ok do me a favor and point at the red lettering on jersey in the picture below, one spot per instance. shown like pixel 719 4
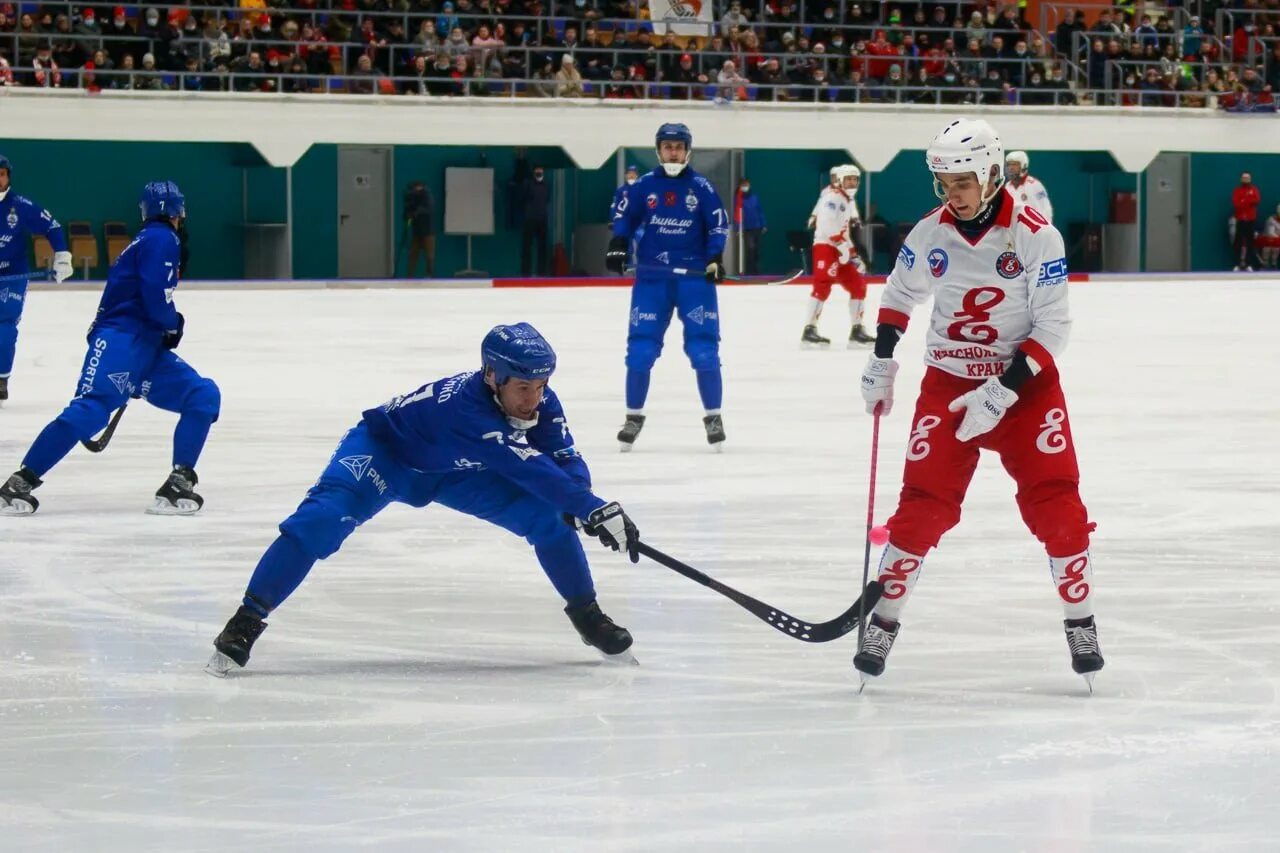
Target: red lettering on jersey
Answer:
pixel 973 314
pixel 1033 219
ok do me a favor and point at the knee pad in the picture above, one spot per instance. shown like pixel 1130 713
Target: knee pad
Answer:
pixel 703 354
pixel 319 527
pixel 921 520
pixel 204 399
pixel 1056 516
pixel 642 353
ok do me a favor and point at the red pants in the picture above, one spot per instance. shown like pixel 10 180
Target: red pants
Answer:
pixel 1263 242
pixel 827 270
pixel 1035 447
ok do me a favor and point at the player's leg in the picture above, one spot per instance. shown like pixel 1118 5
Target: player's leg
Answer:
pixel 360 480
pixel 556 544
pixel 853 282
pixel 13 297
pixel 652 301
pixel 1036 448
pixel 415 249
pixel 934 481
pixel 175 386
pixel 825 259
pixel 699 309
pixel 110 367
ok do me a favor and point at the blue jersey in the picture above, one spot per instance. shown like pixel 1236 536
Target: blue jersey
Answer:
pixel 618 195
pixel 138 298
pixel 684 223
pixel 454 425
pixel 20 217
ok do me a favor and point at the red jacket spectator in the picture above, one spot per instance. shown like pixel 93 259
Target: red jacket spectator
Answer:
pixel 1245 199
pixel 879 68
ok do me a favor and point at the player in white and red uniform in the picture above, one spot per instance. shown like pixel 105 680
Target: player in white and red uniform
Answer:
pixel 836 255
pixel 1025 188
pixel 998 277
pixel 1268 242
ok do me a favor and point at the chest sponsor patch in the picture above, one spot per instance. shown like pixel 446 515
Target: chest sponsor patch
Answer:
pixel 1008 265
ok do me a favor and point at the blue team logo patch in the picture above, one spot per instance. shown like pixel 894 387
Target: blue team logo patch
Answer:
pixel 906 257
pixel 691 201
pixel 651 201
pixel 938 262
pixel 12 218
pixel 1008 265
pixel 1052 273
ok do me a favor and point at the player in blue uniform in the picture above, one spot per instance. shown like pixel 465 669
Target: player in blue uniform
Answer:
pixel 679 260
pixel 492 444
pixel 19 218
pixel 130 355
pixel 632 175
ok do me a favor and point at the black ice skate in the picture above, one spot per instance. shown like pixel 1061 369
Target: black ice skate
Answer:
pixel 15 494
pixel 630 431
pixel 233 644
pixel 1086 655
pixel 4 390
pixel 714 425
pixel 858 336
pixel 810 339
pixel 877 640
pixel 177 496
pixel 597 630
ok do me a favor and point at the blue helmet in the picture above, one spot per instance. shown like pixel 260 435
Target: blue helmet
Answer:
pixel 518 351
pixel 161 199
pixel 4 164
pixel 674 132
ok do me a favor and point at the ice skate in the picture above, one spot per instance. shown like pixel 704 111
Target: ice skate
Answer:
pixel 630 431
pixel 15 494
pixel 877 640
pixel 233 644
pixel 859 337
pixel 714 426
pixel 177 495
pixel 810 339
pixel 1086 655
pixel 597 630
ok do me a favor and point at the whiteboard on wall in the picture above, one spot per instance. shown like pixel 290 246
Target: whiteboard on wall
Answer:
pixel 468 201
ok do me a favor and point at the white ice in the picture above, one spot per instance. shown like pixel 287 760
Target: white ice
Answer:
pixel 423 691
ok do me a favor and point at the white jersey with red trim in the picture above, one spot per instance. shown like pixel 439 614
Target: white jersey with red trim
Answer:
pixel 1271 228
pixel 1003 293
pixel 833 213
pixel 1032 193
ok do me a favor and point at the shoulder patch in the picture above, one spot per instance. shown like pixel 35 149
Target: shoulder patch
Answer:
pixel 906 257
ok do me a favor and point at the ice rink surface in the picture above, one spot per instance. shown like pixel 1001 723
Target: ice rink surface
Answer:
pixel 423 691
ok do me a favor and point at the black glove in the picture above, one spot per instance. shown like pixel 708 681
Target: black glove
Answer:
pixel 172 339
pixel 614 530
pixel 715 269
pixel 184 252
pixel 616 258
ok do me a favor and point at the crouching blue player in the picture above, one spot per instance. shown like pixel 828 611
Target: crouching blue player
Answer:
pixel 130 355
pixel 678 263
pixel 493 444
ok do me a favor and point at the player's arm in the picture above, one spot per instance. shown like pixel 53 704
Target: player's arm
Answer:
pixel 1042 203
pixel 905 289
pixel 38 221
pixel 158 260
pixel 627 217
pixel 553 438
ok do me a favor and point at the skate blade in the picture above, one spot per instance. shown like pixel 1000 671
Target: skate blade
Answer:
pixel 811 345
pixel 219 665
pixel 718 447
pixel 858 344
pixel 624 447
pixel 16 508
pixel 620 659
pixel 182 507
pixel 1088 680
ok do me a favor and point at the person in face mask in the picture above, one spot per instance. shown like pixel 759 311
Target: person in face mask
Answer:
pixel 537 216
pixel 750 218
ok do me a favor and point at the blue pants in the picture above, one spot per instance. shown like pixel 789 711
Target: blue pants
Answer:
pixel 364 477
pixel 653 299
pixel 13 296
pixel 120 366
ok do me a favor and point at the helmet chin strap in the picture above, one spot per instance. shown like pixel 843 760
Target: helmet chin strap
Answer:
pixel 941 192
pixel 516 423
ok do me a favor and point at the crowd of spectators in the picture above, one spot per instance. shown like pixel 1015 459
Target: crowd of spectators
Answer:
pixel 818 50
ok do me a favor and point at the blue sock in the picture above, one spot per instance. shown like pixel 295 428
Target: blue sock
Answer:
pixel 710 387
pixel 278 574
pixel 637 388
pixel 189 437
pixel 53 443
pixel 566 565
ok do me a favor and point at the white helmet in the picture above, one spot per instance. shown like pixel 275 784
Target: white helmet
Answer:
pixel 848 170
pixel 1019 157
pixel 967 146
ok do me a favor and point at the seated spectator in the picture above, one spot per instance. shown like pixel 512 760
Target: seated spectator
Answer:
pixel 88 79
pixel 88 27
pixel 618 85
pixel 686 78
pixel 771 79
pixel 568 80
pixel 456 45
pixel 733 19
pixel 894 81
pixel 148 78
pixel 125 79
pixel 729 81
pixel 439 78
pixel 247 71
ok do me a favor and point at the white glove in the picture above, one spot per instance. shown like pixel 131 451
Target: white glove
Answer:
pixel 877 384
pixel 614 530
pixel 984 406
pixel 860 265
pixel 62 268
